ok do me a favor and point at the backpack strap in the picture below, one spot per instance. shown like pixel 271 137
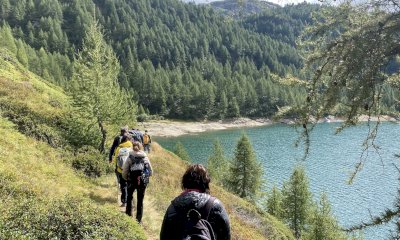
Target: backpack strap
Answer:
pixel 205 211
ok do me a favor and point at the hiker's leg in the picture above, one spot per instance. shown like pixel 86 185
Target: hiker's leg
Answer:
pixel 139 209
pixel 124 189
pixel 117 175
pixel 128 209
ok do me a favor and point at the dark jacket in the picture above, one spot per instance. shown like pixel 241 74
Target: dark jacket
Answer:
pixel 172 227
pixel 116 142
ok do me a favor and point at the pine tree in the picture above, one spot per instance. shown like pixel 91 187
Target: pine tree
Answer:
pixel 233 109
pixel 223 105
pixel 7 39
pixel 21 53
pixel 95 90
pixel 323 224
pixel 5 9
pixel 217 163
pixel 19 10
pixel 297 201
pixel 181 152
pixel 274 203
pixel 245 172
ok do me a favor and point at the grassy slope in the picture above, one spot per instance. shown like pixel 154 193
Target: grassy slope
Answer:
pixel 246 221
pixel 32 169
pixel 36 181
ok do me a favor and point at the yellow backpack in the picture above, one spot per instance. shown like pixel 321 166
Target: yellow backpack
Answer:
pixel 146 139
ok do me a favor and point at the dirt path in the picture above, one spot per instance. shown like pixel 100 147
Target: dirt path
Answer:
pixel 151 216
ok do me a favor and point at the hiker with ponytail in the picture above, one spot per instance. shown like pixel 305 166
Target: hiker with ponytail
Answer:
pixel 136 171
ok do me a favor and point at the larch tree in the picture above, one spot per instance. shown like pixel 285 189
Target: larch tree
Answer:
pixel 223 105
pixel 97 96
pixel 274 203
pixel 352 48
pixel 7 39
pixel 354 56
pixel 217 164
pixel 349 53
pixel 245 171
pixel 297 201
pixel 181 152
pixel 5 8
pixel 323 225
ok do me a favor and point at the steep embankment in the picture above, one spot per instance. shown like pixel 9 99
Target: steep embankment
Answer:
pixel 43 197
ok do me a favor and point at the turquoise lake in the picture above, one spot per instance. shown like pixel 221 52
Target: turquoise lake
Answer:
pixel 331 160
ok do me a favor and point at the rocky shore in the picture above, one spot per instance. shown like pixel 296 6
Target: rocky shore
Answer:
pixel 170 128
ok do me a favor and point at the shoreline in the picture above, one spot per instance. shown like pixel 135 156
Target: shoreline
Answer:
pixel 174 128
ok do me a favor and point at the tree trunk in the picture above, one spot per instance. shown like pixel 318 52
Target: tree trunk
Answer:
pixel 104 136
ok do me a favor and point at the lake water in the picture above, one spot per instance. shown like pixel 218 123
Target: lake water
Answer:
pixel 331 161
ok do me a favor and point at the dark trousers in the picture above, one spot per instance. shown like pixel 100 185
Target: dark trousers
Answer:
pixel 146 148
pixel 123 187
pixel 140 196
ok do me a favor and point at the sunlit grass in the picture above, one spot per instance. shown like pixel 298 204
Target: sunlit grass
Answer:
pixel 246 221
pixel 37 182
pixel 31 170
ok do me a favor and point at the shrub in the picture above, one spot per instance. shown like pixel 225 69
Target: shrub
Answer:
pixel 26 215
pixel 142 117
pixel 69 218
pixel 91 162
pixel 78 134
pixel 30 123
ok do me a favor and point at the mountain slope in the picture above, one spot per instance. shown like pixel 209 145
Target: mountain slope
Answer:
pixel 41 196
pixel 243 8
pixel 178 60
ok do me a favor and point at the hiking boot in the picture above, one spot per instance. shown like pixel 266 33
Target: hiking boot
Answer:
pixel 123 205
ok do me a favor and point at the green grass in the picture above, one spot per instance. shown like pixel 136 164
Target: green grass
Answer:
pixel 43 197
pixel 247 222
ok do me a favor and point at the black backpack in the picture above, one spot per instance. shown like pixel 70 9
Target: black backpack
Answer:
pixel 137 167
pixel 139 171
pixel 197 226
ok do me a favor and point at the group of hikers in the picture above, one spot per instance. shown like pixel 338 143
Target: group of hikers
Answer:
pixel 194 214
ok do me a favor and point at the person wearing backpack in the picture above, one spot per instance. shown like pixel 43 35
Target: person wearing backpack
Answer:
pixel 137 135
pixel 146 141
pixel 116 142
pixel 136 171
pixel 195 214
pixel 121 155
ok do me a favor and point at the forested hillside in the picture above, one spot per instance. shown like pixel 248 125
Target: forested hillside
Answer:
pixel 240 9
pixel 178 60
pixel 284 24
